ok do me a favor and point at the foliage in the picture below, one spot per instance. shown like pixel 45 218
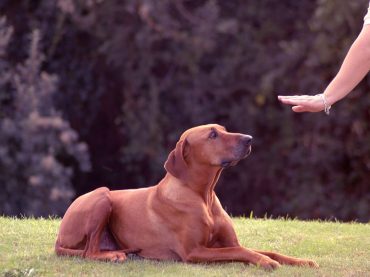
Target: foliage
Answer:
pixel 38 148
pixel 135 74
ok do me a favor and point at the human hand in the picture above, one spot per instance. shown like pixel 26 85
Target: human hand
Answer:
pixel 304 103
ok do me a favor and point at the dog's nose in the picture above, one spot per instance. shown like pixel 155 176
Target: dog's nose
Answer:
pixel 247 140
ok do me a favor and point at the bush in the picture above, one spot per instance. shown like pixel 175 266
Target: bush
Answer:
pixel 138 73
pixel 38 149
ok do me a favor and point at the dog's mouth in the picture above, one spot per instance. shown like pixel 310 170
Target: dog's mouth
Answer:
pixel 245 153
pixel 228 163
pixel 249 150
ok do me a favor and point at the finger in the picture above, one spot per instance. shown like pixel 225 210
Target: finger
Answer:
pixel 282 97
pixel 299 109
pixel 294 101
pixel 295 97
pixel 287 101
pixel 290 96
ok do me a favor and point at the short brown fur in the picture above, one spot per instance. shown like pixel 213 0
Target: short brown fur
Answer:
pixel 180 218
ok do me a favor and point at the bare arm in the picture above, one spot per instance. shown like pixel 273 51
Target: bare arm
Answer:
pixel 354 68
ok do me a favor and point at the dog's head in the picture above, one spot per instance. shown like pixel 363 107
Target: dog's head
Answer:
pixel 209 145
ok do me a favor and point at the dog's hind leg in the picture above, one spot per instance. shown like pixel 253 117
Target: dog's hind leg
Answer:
pixel 83 225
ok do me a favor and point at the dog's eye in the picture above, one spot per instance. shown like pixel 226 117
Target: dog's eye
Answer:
pixel 213 134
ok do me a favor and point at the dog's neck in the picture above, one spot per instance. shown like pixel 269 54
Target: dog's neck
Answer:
pixel 201 180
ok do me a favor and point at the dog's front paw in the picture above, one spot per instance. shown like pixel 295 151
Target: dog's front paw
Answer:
pixel 308 263
pixel 268 264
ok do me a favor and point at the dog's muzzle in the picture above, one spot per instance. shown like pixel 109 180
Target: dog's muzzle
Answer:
pixel 241 151
pixel 244 147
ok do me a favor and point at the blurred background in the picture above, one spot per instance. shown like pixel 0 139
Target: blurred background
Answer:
pixel 96 93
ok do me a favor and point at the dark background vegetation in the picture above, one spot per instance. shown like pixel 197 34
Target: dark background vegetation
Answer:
pixel 97 92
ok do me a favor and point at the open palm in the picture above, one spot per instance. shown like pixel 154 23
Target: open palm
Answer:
pixel 303 103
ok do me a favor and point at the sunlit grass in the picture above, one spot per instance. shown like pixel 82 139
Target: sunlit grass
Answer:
pixel 341 249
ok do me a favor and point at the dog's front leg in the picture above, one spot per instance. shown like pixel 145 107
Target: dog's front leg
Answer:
pixel 283 259
pixel 237 254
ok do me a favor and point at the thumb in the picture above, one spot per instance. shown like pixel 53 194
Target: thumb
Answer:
pixel 299 109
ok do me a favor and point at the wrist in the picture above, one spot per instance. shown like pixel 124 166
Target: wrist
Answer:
pixel 330 100
pixel 325 103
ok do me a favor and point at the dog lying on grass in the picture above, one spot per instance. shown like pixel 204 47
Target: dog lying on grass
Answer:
pixel 179 219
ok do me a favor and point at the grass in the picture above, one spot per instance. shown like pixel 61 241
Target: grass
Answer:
pixel 341 249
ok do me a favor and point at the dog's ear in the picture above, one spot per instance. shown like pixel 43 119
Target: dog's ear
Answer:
pixel 176 164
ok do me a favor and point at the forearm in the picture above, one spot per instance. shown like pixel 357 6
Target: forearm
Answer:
pixel 354 68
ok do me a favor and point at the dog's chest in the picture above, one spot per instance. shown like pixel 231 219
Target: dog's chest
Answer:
pixel 209 226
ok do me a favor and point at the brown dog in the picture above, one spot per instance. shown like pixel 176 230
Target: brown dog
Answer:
pixel 179 219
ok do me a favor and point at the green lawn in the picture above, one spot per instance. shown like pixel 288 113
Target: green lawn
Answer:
pixel 341 249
